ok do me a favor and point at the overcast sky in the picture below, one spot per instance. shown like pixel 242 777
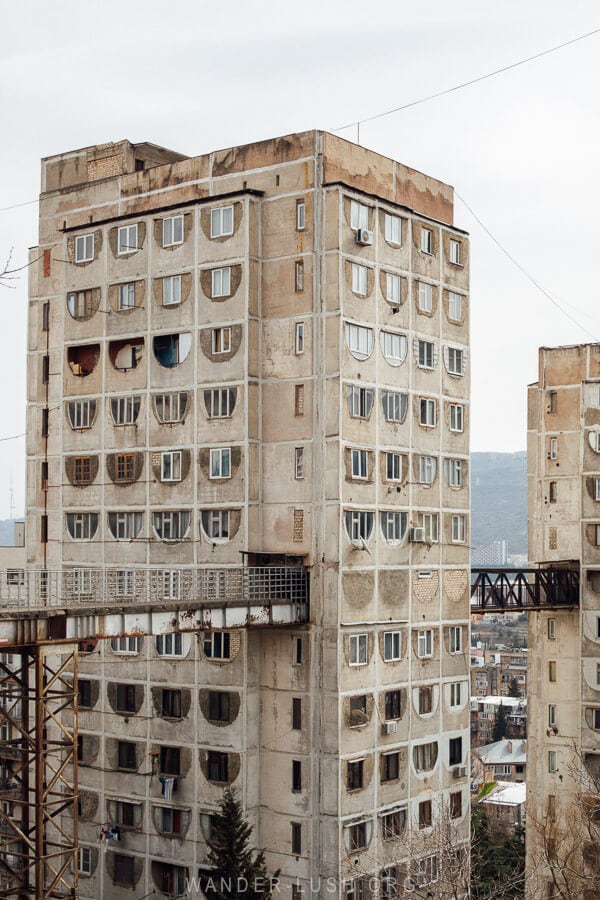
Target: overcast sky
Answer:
pixel 521 148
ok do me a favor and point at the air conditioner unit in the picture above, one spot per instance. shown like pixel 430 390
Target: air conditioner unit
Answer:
pixel 364 237
pixel 416 535
pixel 460 772
pixel 389 727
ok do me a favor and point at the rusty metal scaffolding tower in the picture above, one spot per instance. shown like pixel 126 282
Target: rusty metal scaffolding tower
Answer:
pixel 38 772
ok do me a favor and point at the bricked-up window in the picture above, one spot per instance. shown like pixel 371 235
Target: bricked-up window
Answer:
pixel 219 706
pixel 296 776
pixel 84 248
pixel 297 713
pixel 299 400
pixel 125 467
pixel 425 814
pixel 296 838
pixel 126 756
pixel 300 215
pixel 125 698
pixel 354 774
pixel 299 276
pixel 298 520
pixel 82 472
pixel 170 703
pixel 455 751
pixel 393 705
pixel 217 766
pixel 124 870
pixel 221 221
pixel 170 761
pixel 172 231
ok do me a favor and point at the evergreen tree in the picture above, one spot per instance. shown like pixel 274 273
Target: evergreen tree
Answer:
pixel 513 687
pixel 500 724
pixel 237 870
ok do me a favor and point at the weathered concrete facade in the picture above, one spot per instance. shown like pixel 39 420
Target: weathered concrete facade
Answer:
pixel 261 349
pixel 564 660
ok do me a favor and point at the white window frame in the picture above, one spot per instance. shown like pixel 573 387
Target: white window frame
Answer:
pixel 426 357
pixel 82 526
pixel 124 582
pixel 455 252
pixel 394 347
pixel 127 410
pixel 127 240
pixel 359 650
pixel 170 465
pixel 81 581
pixel 81 414
pixel 221 282
pixel 455 694
pixel 359 215
pixel 221 339
pixel 553 448
pixel 425 643
pixel 393 229
pixel 392 288
pixel 427 412
pixel 393 461
pixel 457 417
pixel 126 296
pixel 427 469
pixel 426 240
pixel 300 215
pixel 171 524
pixel 392 646
pixel 171 584
pixel 359 524
pixel 456 361
pixel 454 306
pixel 217 524
pixel 84 860
pixel 459 529
pixel 393 525
pixel 222 403
pixel 360 340
pixel 394 402
pixel 360 466
pixel 170 645
pixel 358 401
pixel 220 462
pixel 172 231
pixel 455 472
pixel 360 279
pixel 299 338
pixel 171 290
pixel 126 525
pixel 126 645
pixel 551 629
pixel 299 463
pixel 552 761
pixel 552 715
pixel 596 488
pixel 455 641
pixel 172 405
pixel 425 297
pixel 430 522
pixel 221 221
pixel 220 644
pixel 84 248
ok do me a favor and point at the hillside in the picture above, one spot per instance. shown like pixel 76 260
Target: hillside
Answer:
pixel 499 500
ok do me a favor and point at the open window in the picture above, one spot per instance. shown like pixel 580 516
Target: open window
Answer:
pixel 83 359
pixel 127 354
pixel 172 349
pixel 83 304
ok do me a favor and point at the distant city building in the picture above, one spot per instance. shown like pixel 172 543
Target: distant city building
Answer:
pixel 494 554
pixel 506 805
pixel 505 759
pixel 483 717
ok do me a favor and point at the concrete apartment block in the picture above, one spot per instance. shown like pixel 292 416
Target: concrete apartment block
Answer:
pixel 261 350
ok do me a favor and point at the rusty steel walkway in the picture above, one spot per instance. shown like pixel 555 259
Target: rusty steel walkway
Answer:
pixel 523 590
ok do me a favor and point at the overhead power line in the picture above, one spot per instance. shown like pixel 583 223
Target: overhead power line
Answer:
pixel 458 87
pixel 524 271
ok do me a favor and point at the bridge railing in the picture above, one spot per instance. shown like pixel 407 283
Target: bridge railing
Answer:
pixel 513 590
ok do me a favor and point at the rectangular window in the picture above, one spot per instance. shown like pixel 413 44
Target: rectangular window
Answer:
pixel 425 643
pixel 296 838
pixel 170 465
pixel 125 467
pixel 219 707
pixel 299 338
pixel 394 406
pixel 46 316
pixel 425 814
pixel 82 473
pixel 458 529
pixel 455 693
pixel 455 361
pixel 296 776
pixel 425 700
pixel 354 774
pixel 300 215
pixel 455 478
pixel 552 767
pixel 169 644
pixel 84 694
pixel 299 463
pixel 454 306
pixel 170 820
pixel 455 751
pixel 170 703
pixel 392 289
pixel 552 492
pixel 360 402
pixel 126 645
pixel 427 412
pixel 299 400
pixel 359 215
pixel 552 670
pixel 425 297
pixel 220 462
pixel 169 762
pixel 298 658
pixel 393 466
pixel 221 221
pixel 552 718
pixel 219 402
pixel 45 422
pixel 455 805
pixel 359 649
pixel 426 355
pixel 218 766
pixel 171 290
pixel 455 636
pixel 596 488
pixel 221 340
pixel 391 767
pixel 455 253
pixel 391 646
pixel 393 229
pixel 552 807
pixel 429 522
pixel 84 861
pixel 456 417
pixel 553 398
pixel 127 239
pixel 127 296
pixel 299 276
pixel 359 463
pixel 125 698
pixel 221 282
pixel 217 645
pixel 426 240
pixel 393 705
pixel 359 279
pixel 297 713
pixel 126 755
pixel 84 248
pixel 45 369
pixel 553 448
pixel 124 410
pixel 172 231
pixel 551 629
pixel 427 469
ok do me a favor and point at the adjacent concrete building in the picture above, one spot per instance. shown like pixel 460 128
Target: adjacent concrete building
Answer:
pixel 258 354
